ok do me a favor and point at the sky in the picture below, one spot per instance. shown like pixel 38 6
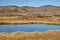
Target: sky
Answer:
pixel 35 3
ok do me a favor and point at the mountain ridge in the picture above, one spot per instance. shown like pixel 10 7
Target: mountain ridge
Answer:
pixel 46 10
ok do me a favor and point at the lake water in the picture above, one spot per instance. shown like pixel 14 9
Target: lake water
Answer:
pixel 28 28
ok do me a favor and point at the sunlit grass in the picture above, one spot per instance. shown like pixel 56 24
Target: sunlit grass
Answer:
pixel 50 35
pixel 17 20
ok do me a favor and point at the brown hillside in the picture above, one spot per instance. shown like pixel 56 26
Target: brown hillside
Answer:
pixel 27 12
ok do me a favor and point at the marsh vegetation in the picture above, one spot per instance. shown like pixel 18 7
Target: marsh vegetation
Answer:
pixel 49 35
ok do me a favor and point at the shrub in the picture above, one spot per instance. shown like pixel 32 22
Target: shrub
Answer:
pixel 2 11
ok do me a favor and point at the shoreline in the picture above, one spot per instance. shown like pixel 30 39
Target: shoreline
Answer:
pixel 32 32
pixel 7 23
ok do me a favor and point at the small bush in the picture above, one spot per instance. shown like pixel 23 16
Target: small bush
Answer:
pixel 14 10
pixel 4 23
pixel 2 11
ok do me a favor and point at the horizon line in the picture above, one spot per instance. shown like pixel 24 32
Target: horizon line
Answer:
pixel 30 6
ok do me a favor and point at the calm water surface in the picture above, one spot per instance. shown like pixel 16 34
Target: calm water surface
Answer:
pixel 28 28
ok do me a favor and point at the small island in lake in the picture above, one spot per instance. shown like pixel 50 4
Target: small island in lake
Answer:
pixel 47 14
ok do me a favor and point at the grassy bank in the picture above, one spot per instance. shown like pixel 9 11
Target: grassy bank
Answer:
pixel 7 20
pixel 49 35
pixel 8 23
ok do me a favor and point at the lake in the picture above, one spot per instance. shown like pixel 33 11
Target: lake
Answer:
pixel 28 28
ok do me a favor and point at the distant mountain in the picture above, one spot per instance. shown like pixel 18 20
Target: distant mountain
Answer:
pixel 47 10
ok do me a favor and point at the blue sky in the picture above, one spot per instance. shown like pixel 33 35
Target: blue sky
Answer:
pixel 35 3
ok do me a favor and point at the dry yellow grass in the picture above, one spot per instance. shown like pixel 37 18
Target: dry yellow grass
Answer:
pixel 15 19
pixel 49 35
